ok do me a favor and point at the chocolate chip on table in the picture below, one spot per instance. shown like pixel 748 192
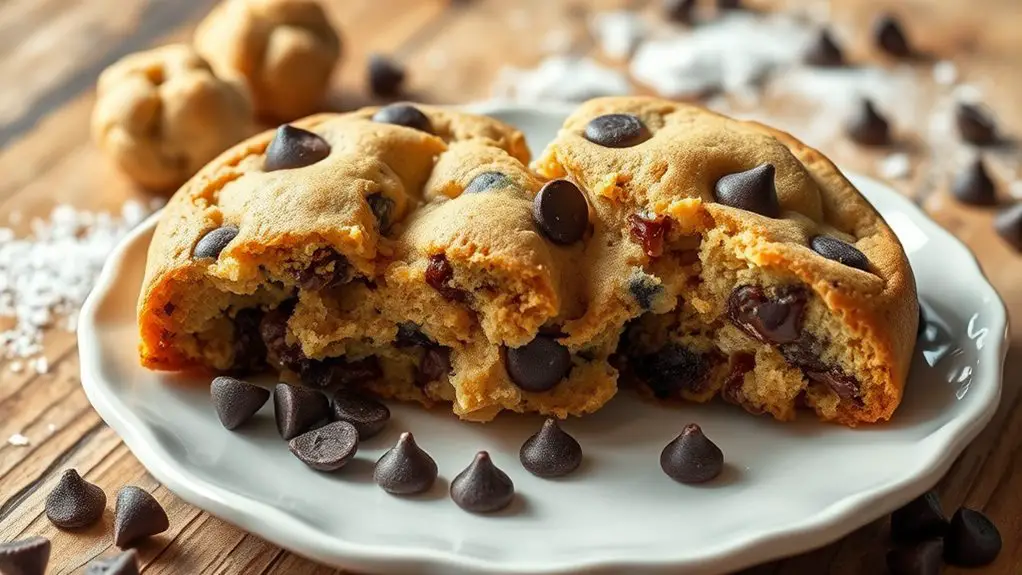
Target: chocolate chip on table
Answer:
pixel 382 207
pixel 645 289
pixel 919 519
pixel 435 363
pixel 671 370
pixel 824 51
pixel 294 148
pixel 616 131
pixel 889 36
pixel 487 181
pixel 25 557
pixel 385 75
pixel 975 124
pixel 972 540
pixel 367 415
pixel 752 190
pixel 298 410
pixel 538 365
pixel 839 251
pixel 326 448
pixel 551 452
pixel 124 563
pixel 867 126
pixel 691 457
pixel 236 401
pixel 775 318
pixel 650 233
pixel 214 242
pixel 404 115
pixel 923 558
pixel 974 186
pixel 482 487
pixel 680 11
pixel 137 515
pixel 439 274
pixel 1008 225
pixel 75 503
pixel 405 469
pixel 561 212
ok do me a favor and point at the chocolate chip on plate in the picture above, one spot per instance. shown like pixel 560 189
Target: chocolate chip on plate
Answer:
pixel 487 181
pixel 616 131
pixel 367 415
pixel 839 251
pixel 867 126
pixel 974 186
pixel 406 468
pixel 889 36
pixel 298 410
pixel 385 75
pixel 236 401
pixel 691 457
pixel 680 11
pixel 551 452
pixel 482 487
pixel 752 190
pixel 214 242
pixel 824 51
pixel 975 124
pixel 1008 225
pixel 326 448
pixel 137 515
pixel 919 519
pixel 25 557
pixel 923 558
pixel 650 233
pixel 124 563
pixel 404 115
pixel 74 503
pixel 972 540
pixel 561 212
pixel 439 274
pixel 538 365
pixel 774 319
pixel 293 148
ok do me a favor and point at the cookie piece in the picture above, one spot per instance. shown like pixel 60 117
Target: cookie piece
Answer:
pixel 162 114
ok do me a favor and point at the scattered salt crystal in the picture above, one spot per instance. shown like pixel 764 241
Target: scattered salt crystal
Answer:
pixel 16 366
pixel 18 440
pixel 50 428
pixel 945 73
pixel 617 32
pixel 896 166
pixel 40 365
pixel 560 79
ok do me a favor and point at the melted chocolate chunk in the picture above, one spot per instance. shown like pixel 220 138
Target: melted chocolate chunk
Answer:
pixel 890 37
pixel 339 372
pixel 249 350
pixel 919 519
pixel 645 289
pixel 74 503
pixel 867 126
pixel 137 515
pixel 214 242
pixel 551 452
pixel 439 274
pixel 975 124
pixel 236 401
pixel 404 115
pixel 482 487
pixel 972 540
pixel 731 391
pixel 385 75
pixel 327 269
pixel 405 469
pixel 25 557
pixel 923 558
pixel 650 233
pixel 409 334
pixel 752 190
pixel 273 331
pixel 367 415
pixel 294 148
pixel 326 448
pixel 671 370
pixel 538 365
pixel 382 207
pixel 771 318
pixel 435 364
pixel 824 51
pixel 616 131
pixel 839 251
pixel 488 181
pixel 974 186
pixel 691 457
pixel 561 212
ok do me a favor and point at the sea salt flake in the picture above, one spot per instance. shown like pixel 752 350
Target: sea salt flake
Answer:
pixel 16 366
pixel 18 440
pixel 895 166
pixel 41 365
pixel 945 73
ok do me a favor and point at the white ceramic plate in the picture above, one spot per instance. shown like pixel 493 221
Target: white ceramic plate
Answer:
pixel 789 487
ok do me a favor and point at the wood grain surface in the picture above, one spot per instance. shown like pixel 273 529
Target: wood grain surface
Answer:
pixel 52 51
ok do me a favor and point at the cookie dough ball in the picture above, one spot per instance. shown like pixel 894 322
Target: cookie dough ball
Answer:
pixel 284 49
pixel 162 114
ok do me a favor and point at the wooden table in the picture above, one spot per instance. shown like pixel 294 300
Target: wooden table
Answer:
pixel 54 49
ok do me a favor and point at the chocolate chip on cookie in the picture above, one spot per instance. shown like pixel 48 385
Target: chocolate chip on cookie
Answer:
pixel 752 190
pixel 974 186
pixel 772 319
pixel 551 452
pixel 691 457
pixel 839 251
pixel 975 124
pixel 439 274
pixel 385 75
pixel 671 370
pixel 382 207
pixel 74 503
pixel 293 148
pixel 889 36
pixel 561 212
pixel 236 401
pixel 404 115
pixel 1008 225
pixel 824 51
pixel 367 415
pixel 406 468
pixel 650 232
pixel 538 365
pixel 679 11
pixel 25 557
pixel 919 519
pixel 435 363
pixel 972 540
pixel 123 563
pixel 616 131
pixel 326 448
pixel 298 410
pixel 482 487
pixel 923 558
pixel 645 289
pixel 137 515
pixel 214 242
pixel 867 126
pixel 487 181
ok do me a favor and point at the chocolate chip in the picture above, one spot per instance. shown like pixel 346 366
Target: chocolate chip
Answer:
pixel 482 487
pixel 326 269
pixel 679 10
pixel 645 289
pixel 740 364
pixel 298 410
pixel 752 190
pixel 214 242
pixel 1008 225
pixel 340 372
pixel 273 332
pixel 487 181
pixel 839 251
pixel 236 401
pixel 919 519
pixel 137 515
pixel 326 448
pixel 249 350
pixel 923 558
pixel 867 126
pixel 367 415
pixel 889 36
pixel 294 148
pixel 404 115
pixel 538 365
pixel 25 557
pixel 729 4
pixel 845 386
pixel 670 370
pixel 74 503
pixel 551 452
pixel 972 540
pixel 434 365
pixel 974 186
pixel 561 212
pixel 824 51
pixel 410 334
pixel 774 318
pixel 439 274
pixel 405 469
pixel 124 563
pixel 385 75
pixel 692 458
pixel 975 124
pixel 616 131
pixel 382 208
pixel 650 233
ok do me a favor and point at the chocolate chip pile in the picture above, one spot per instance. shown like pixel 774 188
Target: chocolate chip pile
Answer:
pixel 924 540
